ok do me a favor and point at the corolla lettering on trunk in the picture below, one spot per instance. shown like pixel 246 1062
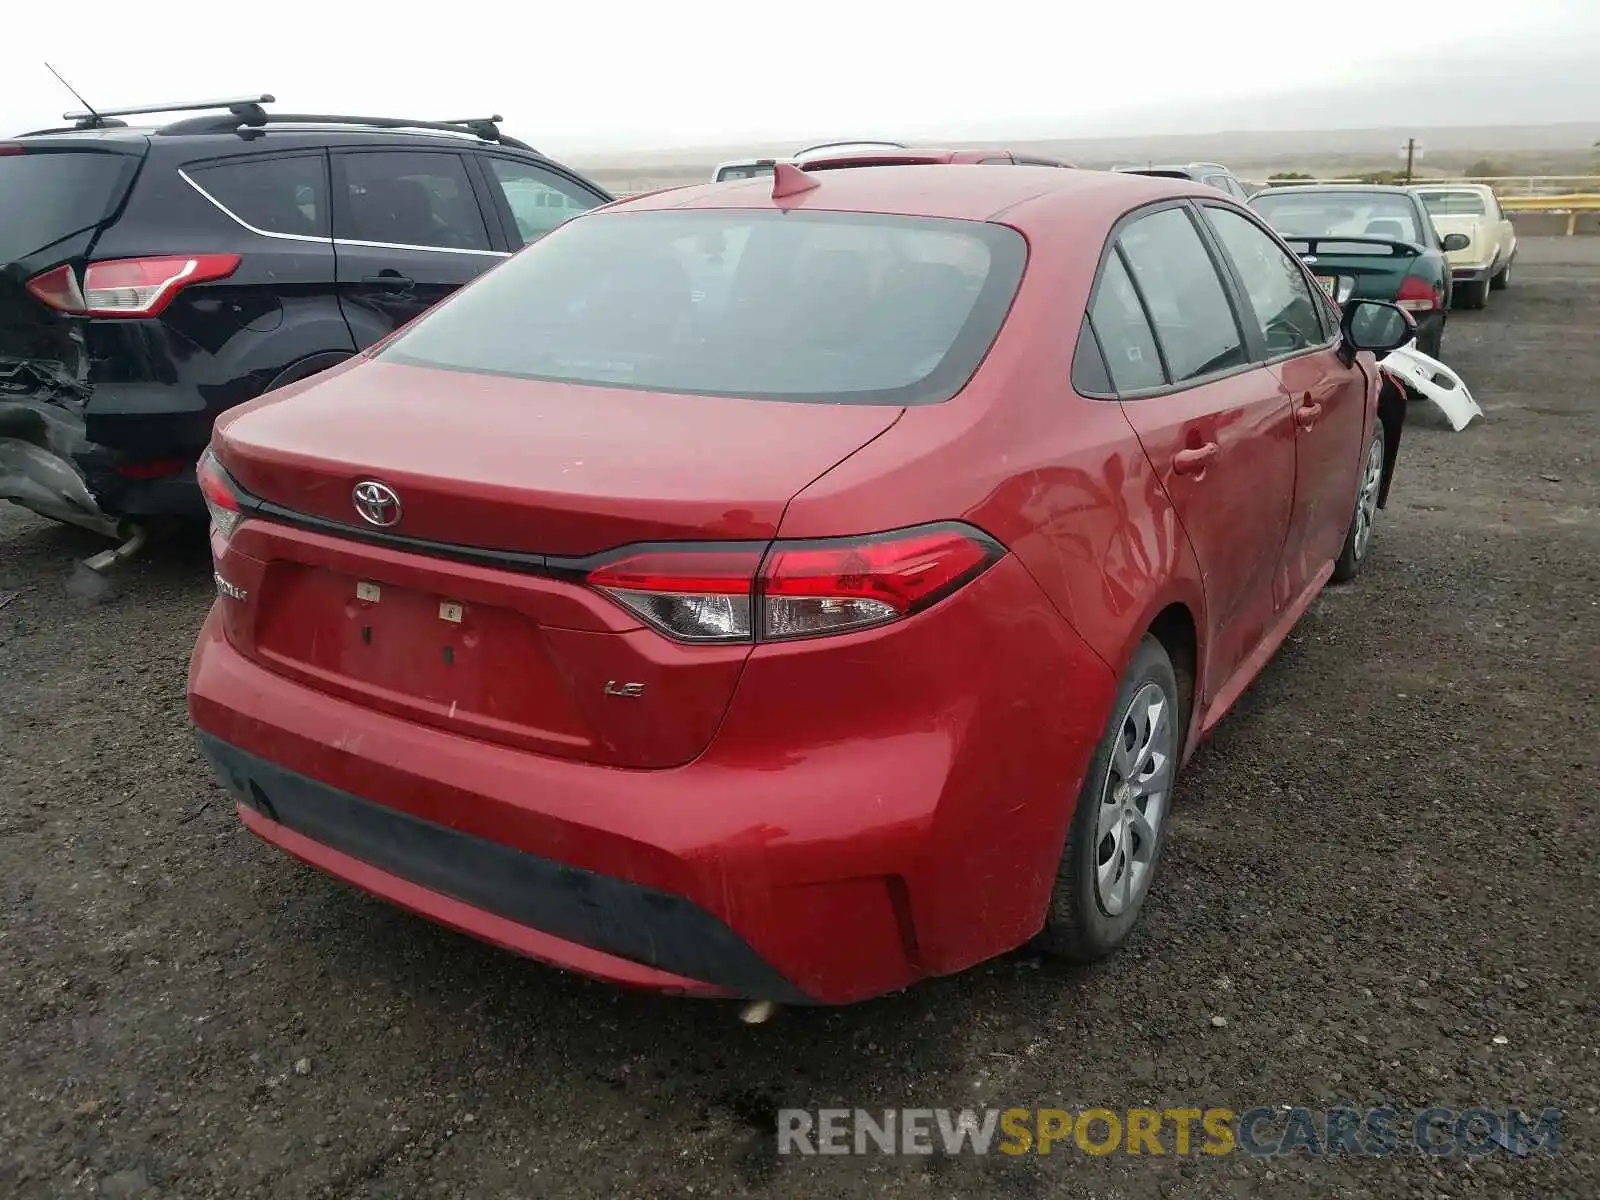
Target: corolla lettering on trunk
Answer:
pixel 230 589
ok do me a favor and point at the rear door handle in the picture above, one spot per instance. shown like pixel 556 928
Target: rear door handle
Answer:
pixel 1192 462
pixel 1307 414
pixel 390 281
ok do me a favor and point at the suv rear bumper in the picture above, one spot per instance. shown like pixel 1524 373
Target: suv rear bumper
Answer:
pixel 85 488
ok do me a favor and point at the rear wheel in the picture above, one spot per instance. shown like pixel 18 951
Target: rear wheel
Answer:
pixel 1472 295
pixel 1119 827
pixel 1501 279
pixel 1430 339
pixel 1358 538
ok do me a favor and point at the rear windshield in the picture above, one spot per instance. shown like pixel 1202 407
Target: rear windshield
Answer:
pixel 46 195
pixel 1339 214
pixel 1453 204
pixel 830 307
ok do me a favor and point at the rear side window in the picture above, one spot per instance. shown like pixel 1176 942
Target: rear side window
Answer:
pixel 539 200
pixel 410 198
pixel 274 195
pixel 828 307
pixel 1188 305
pixel 47 195
pixel 1274 284
pixel 1123 330
pixel 1089 374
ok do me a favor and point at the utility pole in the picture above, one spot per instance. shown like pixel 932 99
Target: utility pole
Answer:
pixel 1411 152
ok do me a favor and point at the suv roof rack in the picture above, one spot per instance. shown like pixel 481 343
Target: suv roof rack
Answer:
pixel 255 120
pixel 240 106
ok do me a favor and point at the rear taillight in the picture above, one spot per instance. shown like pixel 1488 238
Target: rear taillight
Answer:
pixel 222 501
pixel 129 287
pixel 693 595
pixel 10 149
pixel 1418 295
pixel 795 589
pixel 142 287
pixel 822 587
pixel 59 289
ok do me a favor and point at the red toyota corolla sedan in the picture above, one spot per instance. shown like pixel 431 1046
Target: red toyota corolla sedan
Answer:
pixel 790 588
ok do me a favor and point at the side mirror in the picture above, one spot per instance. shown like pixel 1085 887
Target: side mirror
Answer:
pixel 1456 241
pixel 1376 325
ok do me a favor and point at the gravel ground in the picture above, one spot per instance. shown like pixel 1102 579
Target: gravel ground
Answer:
pixel 1383 864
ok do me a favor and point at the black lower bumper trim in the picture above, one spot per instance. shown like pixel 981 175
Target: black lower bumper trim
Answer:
pixel 602 912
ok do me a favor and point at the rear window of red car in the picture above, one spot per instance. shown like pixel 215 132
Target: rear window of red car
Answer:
pixel 798 306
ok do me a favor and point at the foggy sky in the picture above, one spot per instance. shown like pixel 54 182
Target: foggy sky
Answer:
pixel 636 74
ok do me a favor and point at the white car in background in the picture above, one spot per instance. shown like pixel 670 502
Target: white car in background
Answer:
pixel 1485 263
pixel 751 168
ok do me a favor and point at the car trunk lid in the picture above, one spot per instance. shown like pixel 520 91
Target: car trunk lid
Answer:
pixel 469 612
pixel 536 468
pixel 1477 248
pixel 1363 268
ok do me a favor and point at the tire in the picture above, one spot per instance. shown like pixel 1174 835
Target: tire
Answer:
pixel 1431 342
pixel 1087 921
pixel 1472 295
pixel 1358 538
pixel 1501 279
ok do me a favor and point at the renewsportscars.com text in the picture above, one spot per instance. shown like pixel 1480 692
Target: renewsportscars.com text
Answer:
pixel 1258 1132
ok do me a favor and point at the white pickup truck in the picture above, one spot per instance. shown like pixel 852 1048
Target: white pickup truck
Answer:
pixel 1485 263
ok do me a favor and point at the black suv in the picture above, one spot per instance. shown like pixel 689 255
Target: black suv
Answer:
pixel 152 277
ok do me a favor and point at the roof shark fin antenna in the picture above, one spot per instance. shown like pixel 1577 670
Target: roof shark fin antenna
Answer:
pixel 789 180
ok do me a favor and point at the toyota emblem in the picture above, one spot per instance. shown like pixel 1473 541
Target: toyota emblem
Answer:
pixel 376 502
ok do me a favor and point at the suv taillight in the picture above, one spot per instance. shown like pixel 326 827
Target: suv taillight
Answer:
pixel 222 501
pixel 129 287
pixel 59 289
pixel 1418 295
pixel 794 589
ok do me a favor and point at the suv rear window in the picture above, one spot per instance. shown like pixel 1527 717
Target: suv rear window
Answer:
pixel 46 195
pixel 833 307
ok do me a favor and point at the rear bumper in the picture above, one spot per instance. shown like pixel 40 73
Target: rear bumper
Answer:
pixel 603 925
pixel 49 464
pixel 61 488
pixel 170 497
pixel 790 861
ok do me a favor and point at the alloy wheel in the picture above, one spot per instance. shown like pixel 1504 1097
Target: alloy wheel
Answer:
pixel 1133 802
pixel 1367 497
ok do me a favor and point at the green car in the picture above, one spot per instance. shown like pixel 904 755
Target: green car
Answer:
pixel 1368 242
